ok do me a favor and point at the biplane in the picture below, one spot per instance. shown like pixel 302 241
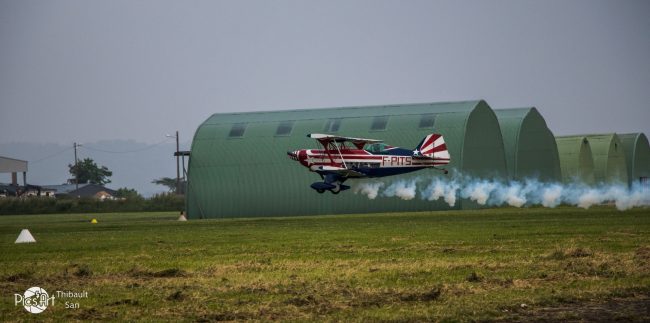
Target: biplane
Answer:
pixel 343 158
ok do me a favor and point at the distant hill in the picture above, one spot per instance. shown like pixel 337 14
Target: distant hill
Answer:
pixel 134 164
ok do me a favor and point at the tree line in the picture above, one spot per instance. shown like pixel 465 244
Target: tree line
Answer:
pixel 87 171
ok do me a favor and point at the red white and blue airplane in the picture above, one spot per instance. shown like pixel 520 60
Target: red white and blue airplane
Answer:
pixel 348 157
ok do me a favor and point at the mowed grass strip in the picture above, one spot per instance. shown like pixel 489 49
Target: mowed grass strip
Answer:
pixel 499 264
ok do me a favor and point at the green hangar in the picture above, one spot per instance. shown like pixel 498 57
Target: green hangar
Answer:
pixel 637 156
pixel 530 147
pixel 576 160
pixel 239 166
pixel 609 159
pixel 593 159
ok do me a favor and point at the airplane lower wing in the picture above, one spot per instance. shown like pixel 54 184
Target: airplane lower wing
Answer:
pixel 340 171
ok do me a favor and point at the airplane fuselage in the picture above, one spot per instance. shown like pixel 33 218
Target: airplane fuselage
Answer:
pixel 349 157
pixel 392 161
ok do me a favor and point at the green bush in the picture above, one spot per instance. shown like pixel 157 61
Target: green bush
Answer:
pixel 46 205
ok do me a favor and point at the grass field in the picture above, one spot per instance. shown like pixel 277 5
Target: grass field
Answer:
pixel 500 264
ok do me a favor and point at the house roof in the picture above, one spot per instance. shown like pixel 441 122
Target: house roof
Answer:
pixel 89 190
pixel 63 188
pixel 84 190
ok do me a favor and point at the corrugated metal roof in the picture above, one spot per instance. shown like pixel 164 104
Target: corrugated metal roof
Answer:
pixel 348 112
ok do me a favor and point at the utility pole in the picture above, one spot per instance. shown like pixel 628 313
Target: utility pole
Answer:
pixel 178 171
pixel 76 164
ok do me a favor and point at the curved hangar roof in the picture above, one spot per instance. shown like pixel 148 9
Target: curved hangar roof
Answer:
pixel 239 167
pixel 576 161
pixel 609 158
pixel 637 156
pixel 531 151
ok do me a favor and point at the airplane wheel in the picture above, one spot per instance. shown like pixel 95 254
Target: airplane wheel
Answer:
pixel 335 192
pixel 320 191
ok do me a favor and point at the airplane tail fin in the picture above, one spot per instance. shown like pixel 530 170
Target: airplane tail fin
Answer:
pixel 433 146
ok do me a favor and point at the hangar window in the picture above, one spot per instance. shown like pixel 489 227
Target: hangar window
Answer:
pixel 333 125
pixel 237 130
pixel 427 120
pixel 379 123
pixel 284 128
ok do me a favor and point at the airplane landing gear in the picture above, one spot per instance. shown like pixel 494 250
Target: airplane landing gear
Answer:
pixel 335 187
pixel 339 187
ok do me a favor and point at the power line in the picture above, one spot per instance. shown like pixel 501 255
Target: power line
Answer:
pixel 126 151
pixel 50 156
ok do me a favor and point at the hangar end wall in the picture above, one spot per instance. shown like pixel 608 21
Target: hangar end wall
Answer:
pixel 530 147
pixel 576 161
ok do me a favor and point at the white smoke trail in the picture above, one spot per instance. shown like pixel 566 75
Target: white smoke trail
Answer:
pixel 640 196
pixel 406 190
pixel 514 193
pixel 440 189
pixel 369 189
pixel 551 195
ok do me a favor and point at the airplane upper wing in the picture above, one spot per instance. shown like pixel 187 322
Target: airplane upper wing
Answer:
pixel 325 139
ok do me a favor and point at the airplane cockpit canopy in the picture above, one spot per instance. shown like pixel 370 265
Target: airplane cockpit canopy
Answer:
pixel 376 148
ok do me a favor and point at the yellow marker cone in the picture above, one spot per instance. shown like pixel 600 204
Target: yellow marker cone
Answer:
pixel 94 221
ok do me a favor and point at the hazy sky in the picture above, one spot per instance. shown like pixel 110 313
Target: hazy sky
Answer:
pixel 92 70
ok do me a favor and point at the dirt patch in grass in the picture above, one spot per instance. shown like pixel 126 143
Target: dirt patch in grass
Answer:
pixel 176 296
pixel 170 272
pixel 83 271
pixel 642 253
pixel 631 309
pixel 603 269
pixel 561 254
pixel 642 257
pixel 227 316
pixel 303 300
pixel 92 314
pixel 25 275
pixel 473 277
pixel 426 296
pixel 77 270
